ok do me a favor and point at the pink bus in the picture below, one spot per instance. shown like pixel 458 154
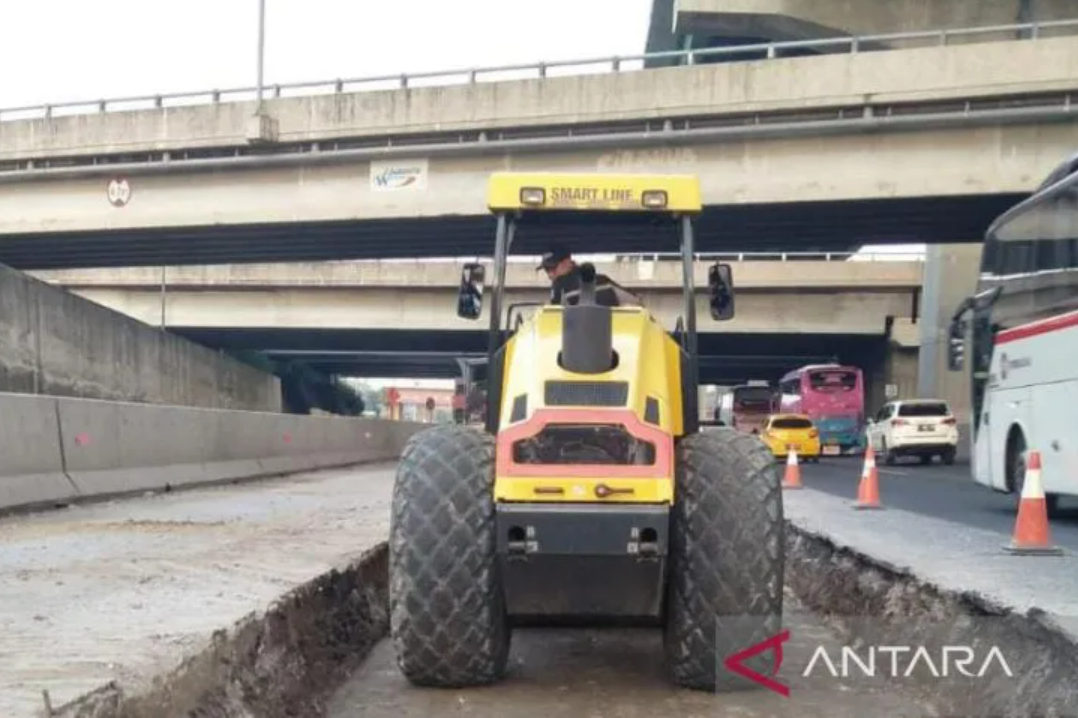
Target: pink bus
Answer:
pixel 833 397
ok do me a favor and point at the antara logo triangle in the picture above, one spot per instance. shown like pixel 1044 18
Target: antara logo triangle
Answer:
pixel 735 663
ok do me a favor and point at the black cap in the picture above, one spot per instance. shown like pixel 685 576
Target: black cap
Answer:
pixel 554 256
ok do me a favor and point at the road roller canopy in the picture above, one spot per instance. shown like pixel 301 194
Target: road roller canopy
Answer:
pixel 594 192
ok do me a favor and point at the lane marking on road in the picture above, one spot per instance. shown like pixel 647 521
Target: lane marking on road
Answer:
pixel 892 472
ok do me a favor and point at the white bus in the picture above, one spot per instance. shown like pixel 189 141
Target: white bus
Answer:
pixel 1024 342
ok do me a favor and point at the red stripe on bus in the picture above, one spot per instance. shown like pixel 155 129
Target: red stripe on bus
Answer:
pixel 1045 326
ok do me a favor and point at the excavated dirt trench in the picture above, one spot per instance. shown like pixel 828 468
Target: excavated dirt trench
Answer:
pixel 288 661
pixel 279 664
pixel 870 603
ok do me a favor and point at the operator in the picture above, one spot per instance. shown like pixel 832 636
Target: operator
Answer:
pixel 469 302
pixel 564 276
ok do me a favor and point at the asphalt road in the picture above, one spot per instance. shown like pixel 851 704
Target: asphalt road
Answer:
pixel 944 492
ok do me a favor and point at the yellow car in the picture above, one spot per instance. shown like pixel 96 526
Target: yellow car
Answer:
pixel 783 430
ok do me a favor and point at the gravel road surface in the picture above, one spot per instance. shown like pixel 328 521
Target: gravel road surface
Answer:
pixel 124 590
pixel 618 673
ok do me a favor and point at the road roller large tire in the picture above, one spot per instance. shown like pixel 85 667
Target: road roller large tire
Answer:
pixel 447 613
pixel 726 559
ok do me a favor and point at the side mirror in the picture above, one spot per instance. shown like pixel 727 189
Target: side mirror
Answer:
pixel 720 285
pixel 956 346
pixel 470 300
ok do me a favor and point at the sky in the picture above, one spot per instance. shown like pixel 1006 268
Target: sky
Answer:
pixel 78 50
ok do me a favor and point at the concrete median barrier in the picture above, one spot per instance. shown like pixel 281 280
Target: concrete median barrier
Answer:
pixel 55 449
pixel 31 463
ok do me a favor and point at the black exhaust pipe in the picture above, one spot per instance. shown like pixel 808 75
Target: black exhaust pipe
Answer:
pixel 587 341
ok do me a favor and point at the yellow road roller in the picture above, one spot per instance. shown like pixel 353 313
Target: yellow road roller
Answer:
pixel 591 495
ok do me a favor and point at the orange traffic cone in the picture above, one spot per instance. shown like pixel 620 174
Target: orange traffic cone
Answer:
pixel 792 479
pixel 868 490
pixel 1031 534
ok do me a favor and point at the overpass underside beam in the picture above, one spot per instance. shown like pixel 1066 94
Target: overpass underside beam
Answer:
pixel 728 357
pixel 825 226
pixel 807 19
pixel 707 27
pixel 714 369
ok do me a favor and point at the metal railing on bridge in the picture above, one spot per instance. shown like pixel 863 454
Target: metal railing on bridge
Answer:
pixel 790 257
pixel 846 44
pixel 809 256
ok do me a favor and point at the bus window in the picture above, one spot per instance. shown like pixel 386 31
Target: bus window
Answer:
pixel 752 398
pixel 833 381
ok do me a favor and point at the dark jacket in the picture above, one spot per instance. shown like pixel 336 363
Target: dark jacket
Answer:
pixel 608 293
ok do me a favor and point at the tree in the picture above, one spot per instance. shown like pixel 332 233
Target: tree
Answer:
pixel 372 398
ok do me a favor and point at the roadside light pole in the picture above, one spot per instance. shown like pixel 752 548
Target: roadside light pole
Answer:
pixel 261 128
pixel 261 49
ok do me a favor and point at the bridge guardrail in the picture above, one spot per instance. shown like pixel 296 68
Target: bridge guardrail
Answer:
pixel 846 44
pixel 796 256
pixel 908 256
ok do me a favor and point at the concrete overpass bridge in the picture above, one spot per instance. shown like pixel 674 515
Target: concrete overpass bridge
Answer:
pixel 924 144
pixel 720 24
pixel 773 297
pixel 398 318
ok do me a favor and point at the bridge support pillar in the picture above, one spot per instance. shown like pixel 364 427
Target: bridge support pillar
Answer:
pixel 891 371
pixel 900 370
pixel 950 276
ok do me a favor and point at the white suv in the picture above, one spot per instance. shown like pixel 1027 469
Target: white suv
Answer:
pixel 918 427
